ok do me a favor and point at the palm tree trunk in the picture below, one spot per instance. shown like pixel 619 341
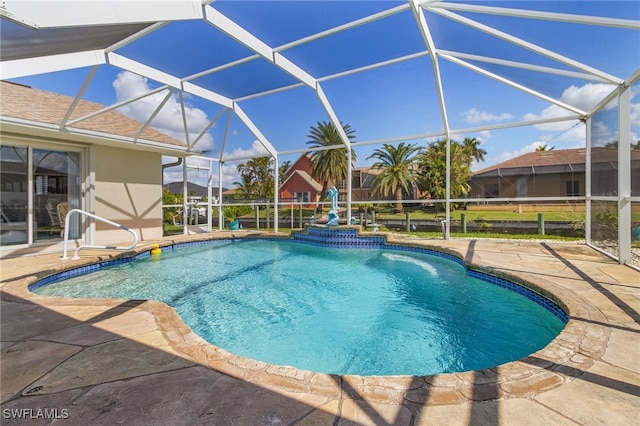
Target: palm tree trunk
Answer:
pixel 398 207
pixel 323 195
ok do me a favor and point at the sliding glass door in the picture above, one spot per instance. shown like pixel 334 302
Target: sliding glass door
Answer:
pixel 39 186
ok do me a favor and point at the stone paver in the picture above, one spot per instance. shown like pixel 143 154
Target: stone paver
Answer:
pixel 118 362
pixel 106 362
pixel 604 395
pixel 27 361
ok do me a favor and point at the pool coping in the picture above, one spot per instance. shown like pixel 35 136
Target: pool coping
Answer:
pixel 578 346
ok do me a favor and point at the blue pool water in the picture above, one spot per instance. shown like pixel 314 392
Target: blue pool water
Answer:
pixel 342 311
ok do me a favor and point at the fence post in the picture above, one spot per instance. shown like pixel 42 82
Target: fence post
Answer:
pixel 540 224
pixel 300 216
pixel 257 216
pixel 408 218
pixel 463 221
pixel 267 224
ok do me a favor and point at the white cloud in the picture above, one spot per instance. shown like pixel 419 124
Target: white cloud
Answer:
pixel 256 149
pixel 507 155
pixel 473 116
pixel 585 98
pixel 169 119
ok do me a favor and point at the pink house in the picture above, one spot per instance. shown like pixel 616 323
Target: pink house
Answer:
pixel 299 185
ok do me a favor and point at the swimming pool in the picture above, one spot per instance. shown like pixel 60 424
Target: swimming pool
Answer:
pixel 387 311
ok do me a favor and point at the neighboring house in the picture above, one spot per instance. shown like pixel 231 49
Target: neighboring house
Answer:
pixel 192 189
pixel 102 164
pixel 299 186
pixel 554 173
pixel 362 186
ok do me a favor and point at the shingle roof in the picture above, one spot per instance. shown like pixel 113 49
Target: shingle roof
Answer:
pixel 553 161
pixel 540 158
pixel 307 178
pixel 25 103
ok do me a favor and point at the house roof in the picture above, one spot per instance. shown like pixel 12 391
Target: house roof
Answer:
pixel 46 109
pixel 553 161
pixel 306 177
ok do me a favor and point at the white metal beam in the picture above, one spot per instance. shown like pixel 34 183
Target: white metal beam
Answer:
pixel 46 64
pixel 513 84
pixel 208 126
pixel 254 129
pixel 224 138
pixel 207 94
pixel 75 101
pixel 229 27
pixel 136 36
pixel 185 125
pixel 53 14
pixel 431 48
pixel 522 65
pixel 154 114
pixel 426 35
pixel 143 70
pixel 525 44
pixel 270 92
pixel 624 174
pixel 534 14
pixel 221 67
pixel 116 105
pixel 344 27
pixel 374 66
pixel 572 117
pixel 333 117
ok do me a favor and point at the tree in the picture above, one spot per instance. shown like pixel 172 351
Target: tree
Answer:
pixel 329 165
pixel 282 171
pixel 432 169
pixel 544 147
pixel 396 171
pixel 256 178
pixel 171 214
pixel 472 147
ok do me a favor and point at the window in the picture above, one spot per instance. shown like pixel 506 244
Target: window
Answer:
pixel 304 197
pixel 573 187
pixel 491 190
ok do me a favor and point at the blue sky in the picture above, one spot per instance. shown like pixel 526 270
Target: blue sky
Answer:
pixel 398 100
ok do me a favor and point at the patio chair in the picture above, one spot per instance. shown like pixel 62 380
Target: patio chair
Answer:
pixel 62 209
pixel 52 211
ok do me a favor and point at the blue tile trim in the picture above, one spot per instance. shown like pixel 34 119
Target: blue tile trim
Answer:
pixel 327 237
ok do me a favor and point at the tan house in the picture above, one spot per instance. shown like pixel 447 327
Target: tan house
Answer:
pixel 106 164
pixel 554 173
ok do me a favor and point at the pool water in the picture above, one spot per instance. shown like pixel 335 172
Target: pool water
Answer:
pixel 342 311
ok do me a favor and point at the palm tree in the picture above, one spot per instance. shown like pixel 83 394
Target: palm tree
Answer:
pixel 472 146
pixel 396 170
pixel 544 147
pixel 329 165
pixel 282 171
pixel 432 166
pixel 256 178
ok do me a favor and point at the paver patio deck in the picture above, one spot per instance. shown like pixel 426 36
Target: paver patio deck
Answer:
pixel 105 361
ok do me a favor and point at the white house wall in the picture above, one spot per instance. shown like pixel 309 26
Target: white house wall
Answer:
pixel 129 192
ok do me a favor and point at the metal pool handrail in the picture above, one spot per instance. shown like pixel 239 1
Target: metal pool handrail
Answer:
pixel 66 234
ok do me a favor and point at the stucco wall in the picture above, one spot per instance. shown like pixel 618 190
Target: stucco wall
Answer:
pixel 128 192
